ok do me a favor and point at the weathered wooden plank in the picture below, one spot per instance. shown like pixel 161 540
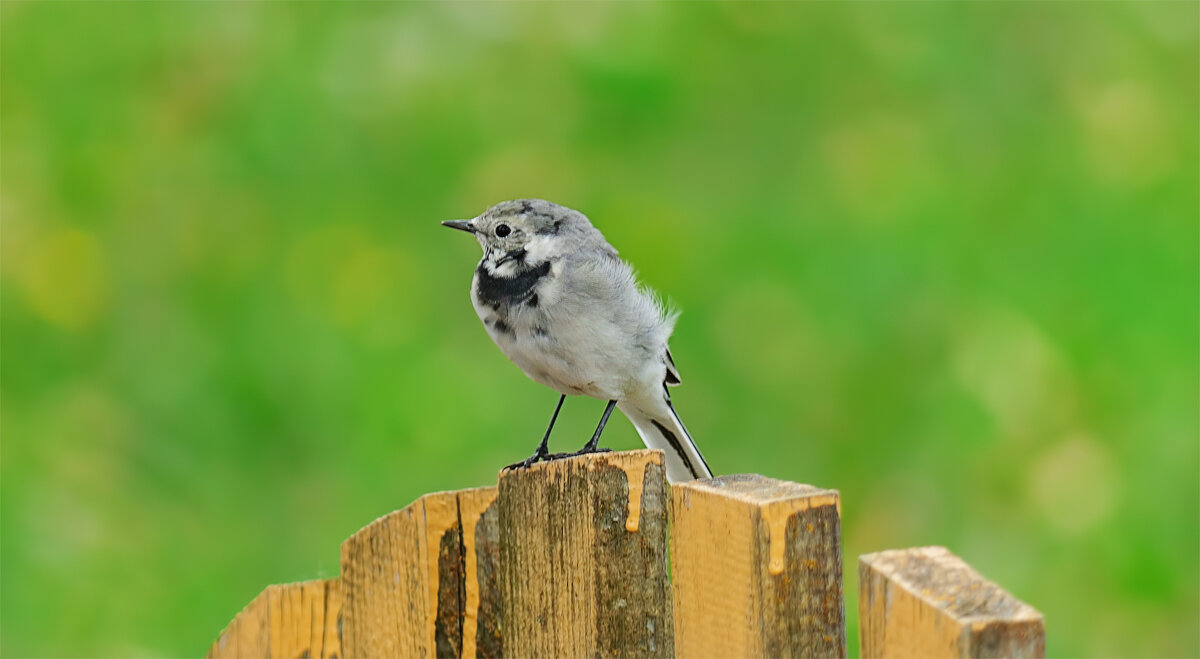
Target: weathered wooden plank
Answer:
pixel 284 622
pixel 757 569
pixel 412 585
pixel 583 558
pixel 926 602
pixel 481 592
pixel 392 580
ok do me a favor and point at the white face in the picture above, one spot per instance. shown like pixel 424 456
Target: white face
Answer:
pixel 505 232
pixel 531 230
pixel 510 243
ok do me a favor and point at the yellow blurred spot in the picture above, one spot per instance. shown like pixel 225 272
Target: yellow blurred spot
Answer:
pixel 65 279
pixel 879 166
pixel 362 282
pixel 1075 484
pixel 1127 131
pixel 340 274
pixel 1014 370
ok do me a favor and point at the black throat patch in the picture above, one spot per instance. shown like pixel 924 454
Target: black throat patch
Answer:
pixel 497 292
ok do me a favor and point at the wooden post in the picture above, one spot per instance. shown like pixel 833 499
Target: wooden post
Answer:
pixel 569 559
pixel 757 569
pixel 405 582
pixel 583 558
pixel 926 602
pixel 284 622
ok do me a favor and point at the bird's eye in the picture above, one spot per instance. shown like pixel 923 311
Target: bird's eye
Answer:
pixel 502 230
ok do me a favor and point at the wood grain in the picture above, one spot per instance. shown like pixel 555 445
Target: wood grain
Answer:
pixel 926 602
pixel 574 579
pixel 481 555
pixel 570 558
pixel 285 621
pixel 756 564
pixel 391 580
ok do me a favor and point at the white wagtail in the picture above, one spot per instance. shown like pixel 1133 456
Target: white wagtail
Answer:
pixel 560 303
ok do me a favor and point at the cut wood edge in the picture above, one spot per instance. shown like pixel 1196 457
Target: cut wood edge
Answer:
pixel 966 615
pixel 285 620
pixel 747 516
pixel 632 463
pixel 907 567
pixel 759 490
pixel 775 501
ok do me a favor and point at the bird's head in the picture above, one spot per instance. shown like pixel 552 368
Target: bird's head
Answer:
pixel 523 224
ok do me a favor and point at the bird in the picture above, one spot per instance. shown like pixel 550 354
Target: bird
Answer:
pixel 560 303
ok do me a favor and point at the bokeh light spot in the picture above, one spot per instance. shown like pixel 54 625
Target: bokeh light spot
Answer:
pixel 1126 141
pixel 1075 484
pixel 1014 370
pixel 65 279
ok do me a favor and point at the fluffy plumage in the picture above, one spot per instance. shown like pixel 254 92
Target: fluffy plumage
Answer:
pixel 559 302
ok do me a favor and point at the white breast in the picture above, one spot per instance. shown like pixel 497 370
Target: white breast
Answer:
pixel 587 330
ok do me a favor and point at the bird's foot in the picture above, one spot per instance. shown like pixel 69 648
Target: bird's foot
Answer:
pixel 587 450
pixel 537 457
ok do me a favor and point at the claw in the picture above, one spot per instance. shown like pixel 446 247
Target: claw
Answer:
pixel 538 456
pixel 542 450
pixel 582 451
pixel 528 462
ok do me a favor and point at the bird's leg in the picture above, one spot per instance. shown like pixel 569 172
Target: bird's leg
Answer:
pixel 591 447
pixel 543 449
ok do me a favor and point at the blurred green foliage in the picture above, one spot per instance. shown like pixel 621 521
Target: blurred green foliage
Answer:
pixel 940 257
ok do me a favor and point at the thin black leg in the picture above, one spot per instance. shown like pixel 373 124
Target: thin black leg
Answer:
pixel 591 446
pixel 543 449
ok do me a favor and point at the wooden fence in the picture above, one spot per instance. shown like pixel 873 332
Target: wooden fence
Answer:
pixel 599 556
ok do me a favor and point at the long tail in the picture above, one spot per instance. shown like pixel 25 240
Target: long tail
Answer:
pixel 661 428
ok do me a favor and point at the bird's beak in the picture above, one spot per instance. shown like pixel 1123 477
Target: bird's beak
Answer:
pixel 461 225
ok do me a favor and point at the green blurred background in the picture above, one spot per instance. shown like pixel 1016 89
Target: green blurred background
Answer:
pixel 940 257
